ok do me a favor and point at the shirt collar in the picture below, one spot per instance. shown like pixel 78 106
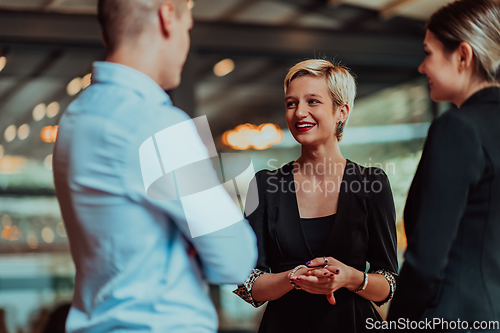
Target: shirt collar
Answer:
pixel 486 95
pixel 118 74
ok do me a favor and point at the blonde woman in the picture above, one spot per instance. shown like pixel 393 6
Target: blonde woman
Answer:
pixel 321 218
pixel 452 215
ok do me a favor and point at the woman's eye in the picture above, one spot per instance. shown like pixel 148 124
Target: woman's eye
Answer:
pixel 289 104
pixel 313 101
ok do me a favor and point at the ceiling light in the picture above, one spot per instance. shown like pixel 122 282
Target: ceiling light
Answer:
pixel 23 132
pixel 10 133
pixel 74 86
pixel 49 133
pixel 3 62
pixel 52 109
pixel 39 112
pixel 224 67
pixel 248 136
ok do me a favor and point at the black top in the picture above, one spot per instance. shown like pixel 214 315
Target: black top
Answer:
pixel 364 230
pixel 452 219
pixel 316 230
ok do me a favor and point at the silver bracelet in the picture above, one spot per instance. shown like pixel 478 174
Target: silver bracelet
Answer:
pixel 295 271
pixel 364 284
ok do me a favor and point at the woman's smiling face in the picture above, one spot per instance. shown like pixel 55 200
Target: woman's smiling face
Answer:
pixel 311 115
pixel 441 69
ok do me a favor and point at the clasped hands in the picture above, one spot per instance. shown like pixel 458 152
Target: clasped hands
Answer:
pixel 322 279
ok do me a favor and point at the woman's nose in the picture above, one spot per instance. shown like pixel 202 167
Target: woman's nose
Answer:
pixel 421 68
pixel 301 112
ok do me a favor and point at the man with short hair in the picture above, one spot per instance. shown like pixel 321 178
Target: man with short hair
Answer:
pixel 136 270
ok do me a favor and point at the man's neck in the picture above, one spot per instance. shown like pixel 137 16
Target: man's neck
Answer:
pixel 131 56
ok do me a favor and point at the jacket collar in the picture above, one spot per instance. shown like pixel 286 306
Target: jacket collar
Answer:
pixel 490 95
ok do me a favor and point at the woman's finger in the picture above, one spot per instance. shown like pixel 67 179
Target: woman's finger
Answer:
pixel 328 271
pixel 333 269
pixel 331 299
pixel 304 278
pixel 320 261
pixel 315 289
pixel 319 272
pixel 319 285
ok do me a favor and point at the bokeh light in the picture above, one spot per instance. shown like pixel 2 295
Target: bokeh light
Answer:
pixel 49 133
pixel 52 109
pixel 10 133
pixel 47 235
pixel 11 233
pixel 86 80
pixel 61 230
pixel 224 67
pixel 248 136
pixel 39 112
pixel 23 132
pixel 74 86
pixel 47 162
pixel 3 62
pixel 32 240
pixel 6 221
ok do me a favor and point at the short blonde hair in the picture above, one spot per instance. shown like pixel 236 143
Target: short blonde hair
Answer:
pixel 341 83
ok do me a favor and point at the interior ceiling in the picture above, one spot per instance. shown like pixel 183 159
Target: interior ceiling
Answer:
pixel 47 43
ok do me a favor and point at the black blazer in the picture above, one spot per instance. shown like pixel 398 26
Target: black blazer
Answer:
pixel 452 219
pixel 363 231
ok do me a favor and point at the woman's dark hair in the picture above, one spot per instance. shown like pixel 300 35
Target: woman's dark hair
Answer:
pixel 476 22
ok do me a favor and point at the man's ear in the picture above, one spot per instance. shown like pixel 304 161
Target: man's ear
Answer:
pixel 466 56
pixel 103 39
pixel 166 16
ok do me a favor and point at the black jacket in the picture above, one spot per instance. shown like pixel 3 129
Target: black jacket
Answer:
pixel 452 219
pixel 363 231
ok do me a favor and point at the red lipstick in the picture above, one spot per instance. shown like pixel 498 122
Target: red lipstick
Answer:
pixel 304 126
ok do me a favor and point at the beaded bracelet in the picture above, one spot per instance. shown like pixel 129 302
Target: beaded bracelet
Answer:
pixel 295 271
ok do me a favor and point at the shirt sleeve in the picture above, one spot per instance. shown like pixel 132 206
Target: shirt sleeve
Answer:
pixel 451 163
pixel 227 254
pixel 382 244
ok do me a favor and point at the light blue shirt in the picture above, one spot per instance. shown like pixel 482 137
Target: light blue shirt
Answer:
pixel 133 271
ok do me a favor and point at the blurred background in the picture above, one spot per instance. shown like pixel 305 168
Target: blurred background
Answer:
pixel 241 51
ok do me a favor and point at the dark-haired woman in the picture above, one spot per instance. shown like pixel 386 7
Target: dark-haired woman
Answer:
pixel 452 215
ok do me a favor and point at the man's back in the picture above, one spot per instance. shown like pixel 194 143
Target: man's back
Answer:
pixel 133 272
